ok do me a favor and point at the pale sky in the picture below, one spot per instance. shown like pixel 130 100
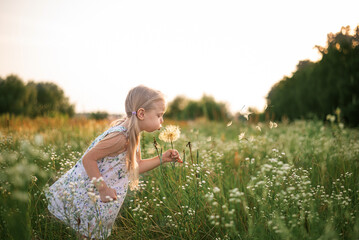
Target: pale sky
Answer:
pixel 96 51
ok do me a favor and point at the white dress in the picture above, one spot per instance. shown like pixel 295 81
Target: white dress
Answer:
pixel 69 201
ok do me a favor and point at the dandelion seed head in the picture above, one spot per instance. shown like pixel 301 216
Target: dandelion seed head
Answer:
pixel 170 134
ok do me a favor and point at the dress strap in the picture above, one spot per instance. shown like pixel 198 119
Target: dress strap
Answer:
pixel 117 128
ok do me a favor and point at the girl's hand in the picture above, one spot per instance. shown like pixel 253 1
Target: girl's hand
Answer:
pixel 171 155
pixel 107 191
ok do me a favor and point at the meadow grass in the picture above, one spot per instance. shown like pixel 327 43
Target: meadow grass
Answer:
pixel 238 181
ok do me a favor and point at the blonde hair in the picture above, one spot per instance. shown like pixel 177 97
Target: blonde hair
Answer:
pixel 138 97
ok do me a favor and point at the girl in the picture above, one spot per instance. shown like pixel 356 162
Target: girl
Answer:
pixel 89 196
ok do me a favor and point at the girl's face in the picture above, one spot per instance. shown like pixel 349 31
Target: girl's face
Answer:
pixel 153 118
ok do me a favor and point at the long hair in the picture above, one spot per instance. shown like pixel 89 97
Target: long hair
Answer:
pixel 138 97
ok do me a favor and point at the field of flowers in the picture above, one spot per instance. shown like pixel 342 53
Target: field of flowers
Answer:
pixel 238 181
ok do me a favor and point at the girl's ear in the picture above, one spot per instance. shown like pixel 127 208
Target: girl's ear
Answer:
pixel 141 113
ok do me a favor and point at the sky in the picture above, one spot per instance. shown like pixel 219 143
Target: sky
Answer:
pixel 96 51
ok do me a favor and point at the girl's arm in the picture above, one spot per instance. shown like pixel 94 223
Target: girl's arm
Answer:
pixel 145 165
pixel 111 145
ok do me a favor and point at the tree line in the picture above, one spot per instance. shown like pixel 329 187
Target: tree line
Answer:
pixel 33 99
pixel 183 108
pixel 315 89
pixel 328 86
pixel 47 99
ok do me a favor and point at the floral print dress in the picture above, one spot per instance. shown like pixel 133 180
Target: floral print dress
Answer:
pixel 69 199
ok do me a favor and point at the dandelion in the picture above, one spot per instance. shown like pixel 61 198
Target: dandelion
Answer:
pixel 170 134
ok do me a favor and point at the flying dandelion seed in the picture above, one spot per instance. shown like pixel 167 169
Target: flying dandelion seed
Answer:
pixel 229 124
pixel 259 128
pixel 245 113
pixel 272 124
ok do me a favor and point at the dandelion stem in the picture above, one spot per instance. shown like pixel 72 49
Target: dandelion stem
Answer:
pixel 197 156
pixel 159 156
pixel 173 163
pixel 190 150
pixel 184 155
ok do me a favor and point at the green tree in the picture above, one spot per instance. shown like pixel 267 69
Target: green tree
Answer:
pixel 187 109
pixel 32 99
pixel 176 107
pixel 213 110
pixel 12 95
pixel 317 89
pixel 98 115
pixel 50 98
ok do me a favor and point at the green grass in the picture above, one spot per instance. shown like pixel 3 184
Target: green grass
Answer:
pixel 296 181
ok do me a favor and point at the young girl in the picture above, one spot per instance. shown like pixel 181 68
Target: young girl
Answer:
pixel 111 163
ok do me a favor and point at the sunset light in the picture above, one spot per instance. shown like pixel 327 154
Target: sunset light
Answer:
pixel 232 50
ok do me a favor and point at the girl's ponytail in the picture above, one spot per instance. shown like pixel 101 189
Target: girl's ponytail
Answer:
pixel 138 97
pixel 134 139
